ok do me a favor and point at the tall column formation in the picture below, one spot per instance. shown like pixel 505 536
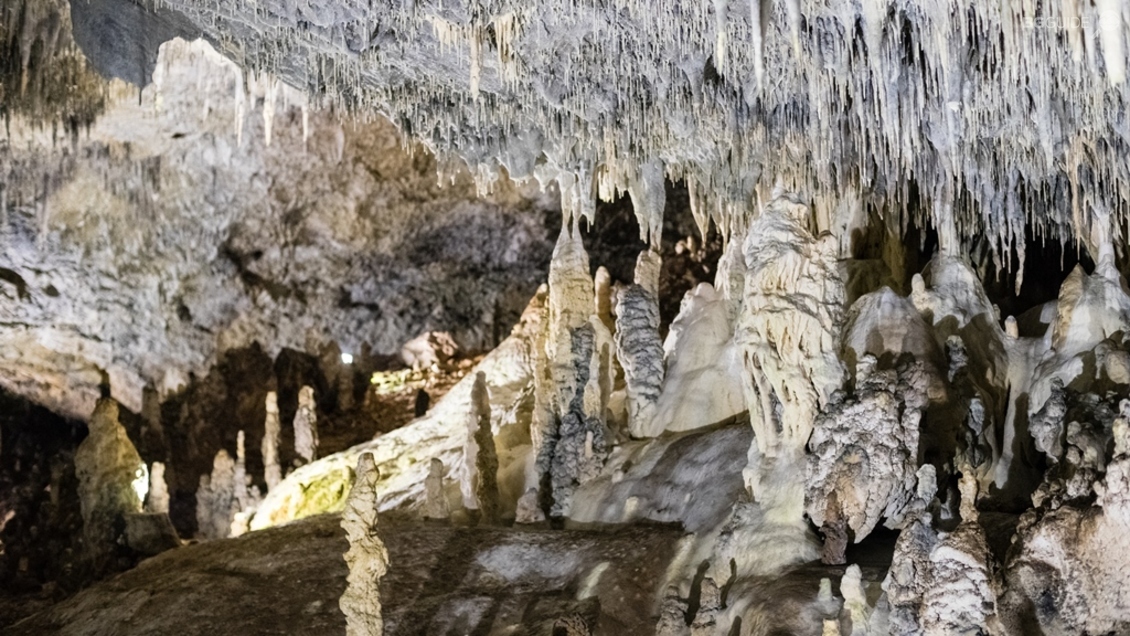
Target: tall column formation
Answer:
pixel 570 305
pixel 306 426
pixel 638 344
pixel 112 481
pixel 158 499
pixel 788 329
pixel 367 557
pixel 581 445
pixel 245 496
pixel 215 498
pixel 556 382
pixel 272 473
pixel 486 459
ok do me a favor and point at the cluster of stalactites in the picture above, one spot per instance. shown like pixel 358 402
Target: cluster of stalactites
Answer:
pixel 987 112
pixel 43 75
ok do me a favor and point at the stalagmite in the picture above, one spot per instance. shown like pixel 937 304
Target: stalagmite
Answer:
pixel 672 615
pixel 367 557
pixel 306 426
pixel 710 605
pixel 435 501
pixel 638 346
pixel 602 285
pixel 855 601
pixel 486 457
pixel 158 499
pixel 864 450
pixel 943 583
pixel 788 330
pixel 245 496
pixel 112 482
pixel 272 472
pixel 962 591
pixel 581 446
pixel 215 499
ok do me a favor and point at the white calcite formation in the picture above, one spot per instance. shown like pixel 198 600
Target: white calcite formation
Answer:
pixel 158 497
pixel 638 346
pixel 788 331
pixel 269 448
pixel 944 583
pixel 863 454
pixel 112 482
pixel 703 384
pixel 306 426
pixel 367 557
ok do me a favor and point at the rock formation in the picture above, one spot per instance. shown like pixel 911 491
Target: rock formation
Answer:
pixel 158 498
pixel 789 328
pixel 112 481
pixel 215 499
pixel 272 428
pixel 435 498
pixel 367 557
pixel 485 454
pixel 864 451
pixel 306 426
pixel 638 345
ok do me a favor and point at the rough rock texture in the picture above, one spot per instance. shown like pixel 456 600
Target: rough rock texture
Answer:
pixel 580 448
pixel 367 557
pixel 944 582
pixel 173 232
pixel 1067 572
pixel 112 482
pixel 789 327
pixel 441 581
pixel 863 453
pixel 435 499
pixel 639 347
pixel 306 426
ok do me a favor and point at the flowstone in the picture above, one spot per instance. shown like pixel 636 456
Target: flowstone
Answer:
pixel 789 327
pixel 367 557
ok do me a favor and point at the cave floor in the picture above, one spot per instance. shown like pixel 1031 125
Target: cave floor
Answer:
pixel 442 580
